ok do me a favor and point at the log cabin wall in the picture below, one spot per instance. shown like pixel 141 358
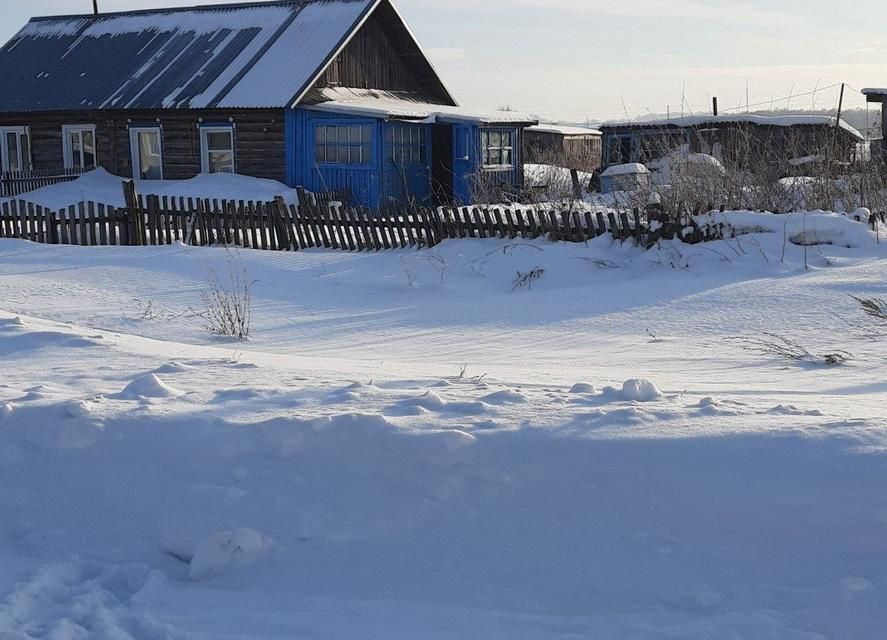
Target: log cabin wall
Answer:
pixel 259 138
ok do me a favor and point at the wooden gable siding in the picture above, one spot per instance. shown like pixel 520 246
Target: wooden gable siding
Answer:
pixel 259 139
pixel 383 56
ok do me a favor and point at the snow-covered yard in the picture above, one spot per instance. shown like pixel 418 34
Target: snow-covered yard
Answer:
pixel 411 447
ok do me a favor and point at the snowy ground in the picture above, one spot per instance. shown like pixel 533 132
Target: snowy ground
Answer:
pixel 338 476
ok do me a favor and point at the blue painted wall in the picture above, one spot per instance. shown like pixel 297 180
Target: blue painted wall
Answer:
pixel 390 176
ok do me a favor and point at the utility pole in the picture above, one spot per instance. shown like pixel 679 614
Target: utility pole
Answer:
pixel 714 106
pixel 840 106
pixel 95 7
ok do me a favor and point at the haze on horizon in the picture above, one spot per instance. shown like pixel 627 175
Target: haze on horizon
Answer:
pixel 577 60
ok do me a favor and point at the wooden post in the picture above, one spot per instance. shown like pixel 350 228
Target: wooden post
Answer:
pixel 130 197
pixel 577 187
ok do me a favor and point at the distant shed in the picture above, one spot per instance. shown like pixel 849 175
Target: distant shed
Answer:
pixel 570 147
pixel 879 149
pixel 735 140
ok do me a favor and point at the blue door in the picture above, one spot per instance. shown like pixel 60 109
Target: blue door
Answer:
pixel 406 164
pixel 464 162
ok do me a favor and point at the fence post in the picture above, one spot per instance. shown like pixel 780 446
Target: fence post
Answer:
pixel 134 229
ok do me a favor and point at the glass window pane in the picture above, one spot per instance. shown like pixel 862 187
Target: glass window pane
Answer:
pixel 506 157
pixel 365 133
pixel 12 150
pixel 221 162
pixel 320 153
pixel 218 140
pixel 319 135
pixel 74 144
pixel 354 134
pixel 150 165
pixel 332 135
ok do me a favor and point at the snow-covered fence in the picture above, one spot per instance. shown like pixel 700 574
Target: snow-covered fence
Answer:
pixel 15 183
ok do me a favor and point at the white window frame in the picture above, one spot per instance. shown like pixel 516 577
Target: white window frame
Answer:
pixel 66 144
pixel 135 151
pixel 25 160
pixel 204 145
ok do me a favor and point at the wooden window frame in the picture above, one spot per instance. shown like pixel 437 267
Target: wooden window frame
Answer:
pixel 135 155
pixel 66 145
pixel 398 145
pixel 486 147
pixel 25 159
pixel 205 130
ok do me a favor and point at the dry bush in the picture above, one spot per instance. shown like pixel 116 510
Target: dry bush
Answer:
pixel 875 308
pixel 773 344
pixel 227 304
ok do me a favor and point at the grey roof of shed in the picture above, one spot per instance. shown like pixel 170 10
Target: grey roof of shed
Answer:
pixel 248 55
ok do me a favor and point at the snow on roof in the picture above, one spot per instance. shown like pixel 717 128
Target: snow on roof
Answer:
pixel 789 120
pixel 244 55
pixel 874 92
pixel 565 130
pixel 624 170
pixel 400 106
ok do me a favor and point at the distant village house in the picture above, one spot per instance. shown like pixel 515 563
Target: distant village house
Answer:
pixel 564 146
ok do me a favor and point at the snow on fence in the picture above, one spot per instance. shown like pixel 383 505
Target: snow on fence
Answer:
pixel 15 183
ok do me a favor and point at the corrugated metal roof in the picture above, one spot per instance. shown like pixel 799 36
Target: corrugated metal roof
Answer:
pixel 403 106
pixel 243 55
pixel 788 120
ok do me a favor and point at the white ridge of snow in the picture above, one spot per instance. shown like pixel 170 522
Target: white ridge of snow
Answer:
pixel 149 386
pixel 624 169
pixel 225 552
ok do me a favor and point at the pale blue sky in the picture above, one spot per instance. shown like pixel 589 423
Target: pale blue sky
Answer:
pixel 578 59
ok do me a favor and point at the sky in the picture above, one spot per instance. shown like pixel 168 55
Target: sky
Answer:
pixel 578 60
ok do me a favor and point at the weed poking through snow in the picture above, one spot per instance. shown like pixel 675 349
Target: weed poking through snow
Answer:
pixel 227 306
pixel 776 345
pixel 526 280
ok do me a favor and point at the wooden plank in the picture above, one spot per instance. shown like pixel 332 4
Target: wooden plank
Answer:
pixel 590 231
pixel 578 229
pixel 81 224
pixel 626 226
pixel 601 224
pixel 638 229
pixel 566 226
pixel 91 223
pixel 613 226
pixel 64 237
pixel 554 232
pixel 102 214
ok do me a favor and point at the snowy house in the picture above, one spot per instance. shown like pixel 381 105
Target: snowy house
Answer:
pixel 630 176
pixel 325 94
pixel 564 146
pixel 735 140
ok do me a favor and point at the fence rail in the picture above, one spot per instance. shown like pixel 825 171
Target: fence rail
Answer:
pixel 15 183
pixel 321 220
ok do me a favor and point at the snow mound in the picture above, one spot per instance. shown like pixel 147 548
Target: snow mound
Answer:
pixel 11 322
pixel 583 388
pixel 639 390
pixel 506 396
pixel 455 440
pixel 226 552
pixel 149 386
pixel 6 409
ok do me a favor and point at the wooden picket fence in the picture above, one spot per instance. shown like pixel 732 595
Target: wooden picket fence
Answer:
pixel 15 183
pixel 321 220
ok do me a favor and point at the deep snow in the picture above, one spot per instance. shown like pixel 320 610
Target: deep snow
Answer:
pixel 587 458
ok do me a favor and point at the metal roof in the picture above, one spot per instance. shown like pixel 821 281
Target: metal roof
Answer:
pixel 396 105
pixel 788 120
pixel 246 55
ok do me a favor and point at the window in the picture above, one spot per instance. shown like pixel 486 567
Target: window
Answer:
pixel 343 144
pixel 498 148
pixel 146 145
pixel 78 142
pixel 619 149
pixel 217 149
pixel 406 144
pixel 15 145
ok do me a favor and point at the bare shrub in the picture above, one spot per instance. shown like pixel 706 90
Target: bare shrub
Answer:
pixel 526 280
pixel 227 303
pixel 773 344
pixel 875 308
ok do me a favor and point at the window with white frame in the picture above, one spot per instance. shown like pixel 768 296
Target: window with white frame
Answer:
pixel 146 145
pixel 217 149
pixel 498 148
pixel 78 142
pixel 15 149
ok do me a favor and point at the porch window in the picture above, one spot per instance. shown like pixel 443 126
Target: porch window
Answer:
pixel 15 149
pixel 78 141
pixel 343 144
pixel 407 144
pixel 217 149
pixel 146 145
pixel 498 149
